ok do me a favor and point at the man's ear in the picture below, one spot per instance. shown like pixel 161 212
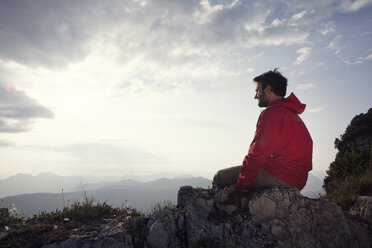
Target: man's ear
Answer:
pixel 268 89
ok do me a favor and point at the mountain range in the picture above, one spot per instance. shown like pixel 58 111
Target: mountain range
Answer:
pixel 43 193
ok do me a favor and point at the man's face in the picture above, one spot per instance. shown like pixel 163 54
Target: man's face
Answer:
pixel 263 100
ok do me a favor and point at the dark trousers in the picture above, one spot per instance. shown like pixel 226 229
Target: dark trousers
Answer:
pixel 229 176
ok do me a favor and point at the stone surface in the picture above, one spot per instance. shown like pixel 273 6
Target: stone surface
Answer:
pixel 272 218
pixel 111 235
pixel 363 208
pixel 296 221
pixel 166 230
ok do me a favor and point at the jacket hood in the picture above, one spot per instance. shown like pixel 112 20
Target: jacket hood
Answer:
pixel 290 102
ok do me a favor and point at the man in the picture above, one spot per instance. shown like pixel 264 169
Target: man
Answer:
pixel 280 154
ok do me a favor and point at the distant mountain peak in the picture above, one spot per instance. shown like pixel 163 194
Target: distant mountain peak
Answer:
pixel 44 174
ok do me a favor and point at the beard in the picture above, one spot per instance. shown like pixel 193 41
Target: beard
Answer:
pixel 263 101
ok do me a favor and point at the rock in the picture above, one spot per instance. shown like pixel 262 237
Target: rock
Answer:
pixel 220 225
pixel 110 236
pixel 363 208
pixel 296 221
pixel 166 230
pixel 275 217
pixel 272 218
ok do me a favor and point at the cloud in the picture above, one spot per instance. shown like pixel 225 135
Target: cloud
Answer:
pixel 56 33
pixel 149 85
pixel 42 32
pixel 105 153
pixel 17 110
pixel 284 32
pixel 304 53
pixel 359 60
pixel 329 5
pixel 368 57
pixel 211 32
pixel 316 110
pixel 306 4
pixel 167 32
pixel 304 86
pixel 354 5
pixel 334 45
pixel 327 28
pixel 5 143
pixel 299 15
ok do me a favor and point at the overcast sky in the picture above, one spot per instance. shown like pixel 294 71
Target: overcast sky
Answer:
pixel 123 87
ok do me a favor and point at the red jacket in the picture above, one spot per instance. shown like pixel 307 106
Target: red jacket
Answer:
pixel 282 145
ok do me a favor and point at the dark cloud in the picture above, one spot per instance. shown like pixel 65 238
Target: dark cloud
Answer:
pixel 51 32
pixel 107 153
pixel 17 110
pixel 39 32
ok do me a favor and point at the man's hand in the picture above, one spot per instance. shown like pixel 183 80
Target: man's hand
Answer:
pixel 230 188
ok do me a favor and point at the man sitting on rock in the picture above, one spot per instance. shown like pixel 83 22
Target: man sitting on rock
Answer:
pixel 280 154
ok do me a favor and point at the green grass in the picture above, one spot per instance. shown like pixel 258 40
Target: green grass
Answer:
pixel 346 191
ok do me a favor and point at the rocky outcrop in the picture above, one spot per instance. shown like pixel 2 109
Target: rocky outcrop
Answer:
pixel 363 208
pixel 272 218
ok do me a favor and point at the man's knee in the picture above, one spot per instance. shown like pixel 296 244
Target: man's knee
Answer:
pixel 217 182
pixel 226 177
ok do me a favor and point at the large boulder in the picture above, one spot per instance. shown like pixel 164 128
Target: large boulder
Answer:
pixel 276 217
pixel 297 221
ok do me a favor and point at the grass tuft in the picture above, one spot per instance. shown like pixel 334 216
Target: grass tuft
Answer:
pixel 347 190
pixel 157 207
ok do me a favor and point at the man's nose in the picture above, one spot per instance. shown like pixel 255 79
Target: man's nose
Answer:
pixel 255 96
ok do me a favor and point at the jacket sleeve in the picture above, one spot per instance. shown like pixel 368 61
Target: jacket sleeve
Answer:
pixel 265 142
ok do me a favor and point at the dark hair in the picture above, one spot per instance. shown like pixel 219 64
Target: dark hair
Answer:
pixel 273 78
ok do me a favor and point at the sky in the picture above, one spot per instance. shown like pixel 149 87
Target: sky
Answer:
pixel 121 87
